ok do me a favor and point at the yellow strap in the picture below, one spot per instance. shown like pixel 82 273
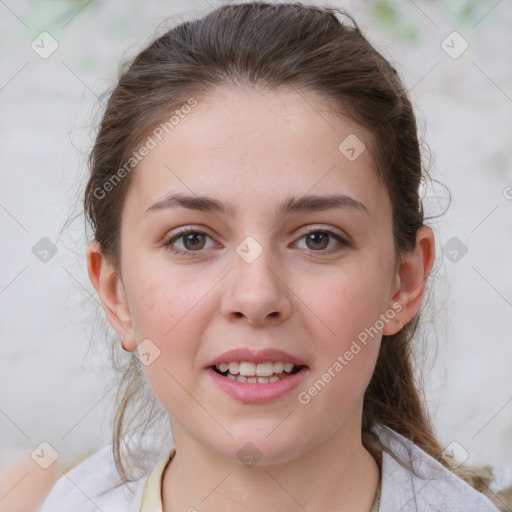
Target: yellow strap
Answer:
pixel 152 495
pixel 376 503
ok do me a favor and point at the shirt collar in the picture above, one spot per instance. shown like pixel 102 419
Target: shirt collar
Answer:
pixel 152 496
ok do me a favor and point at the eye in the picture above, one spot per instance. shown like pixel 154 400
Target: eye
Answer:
pixel 192 241
pixel 317 240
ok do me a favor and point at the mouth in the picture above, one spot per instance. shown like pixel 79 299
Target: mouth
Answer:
pixel 257 376
pixel 257 373
pixel 257 383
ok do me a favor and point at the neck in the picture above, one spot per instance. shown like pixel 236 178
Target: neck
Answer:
pixel 340 474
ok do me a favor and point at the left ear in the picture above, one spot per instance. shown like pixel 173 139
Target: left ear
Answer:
pixel 412 277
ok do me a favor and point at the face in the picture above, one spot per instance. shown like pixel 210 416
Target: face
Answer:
pixel 282 280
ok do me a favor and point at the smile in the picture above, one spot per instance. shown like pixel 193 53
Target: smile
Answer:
pixel 254 389
pixel 260 373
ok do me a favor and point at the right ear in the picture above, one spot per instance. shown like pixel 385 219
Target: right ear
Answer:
pixel 109 287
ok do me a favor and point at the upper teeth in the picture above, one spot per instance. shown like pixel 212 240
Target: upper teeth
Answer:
pixel 247 369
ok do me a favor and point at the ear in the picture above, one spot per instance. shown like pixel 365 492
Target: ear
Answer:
pixel 415 267
pixel 109 287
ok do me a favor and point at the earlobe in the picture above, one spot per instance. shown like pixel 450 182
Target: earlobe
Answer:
pixel 415 267
pixel 109 287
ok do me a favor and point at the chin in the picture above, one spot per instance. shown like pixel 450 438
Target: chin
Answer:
pixel 249 449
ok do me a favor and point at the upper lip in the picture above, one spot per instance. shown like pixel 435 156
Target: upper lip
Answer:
pixel 256 356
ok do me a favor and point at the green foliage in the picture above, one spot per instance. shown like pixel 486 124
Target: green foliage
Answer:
pixel 395 19
pixel 403 18
pixel 51 16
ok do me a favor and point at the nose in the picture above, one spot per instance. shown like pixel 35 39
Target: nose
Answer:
pixel 256 291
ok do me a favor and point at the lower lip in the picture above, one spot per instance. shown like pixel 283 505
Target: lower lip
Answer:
pixel 257 393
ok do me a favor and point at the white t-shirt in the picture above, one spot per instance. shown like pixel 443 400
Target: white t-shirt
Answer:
pixel 96 486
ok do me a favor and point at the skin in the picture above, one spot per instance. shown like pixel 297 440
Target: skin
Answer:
pixel 25 484
pixel 308 297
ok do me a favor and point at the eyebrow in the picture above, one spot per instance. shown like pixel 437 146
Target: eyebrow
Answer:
pixel 308 203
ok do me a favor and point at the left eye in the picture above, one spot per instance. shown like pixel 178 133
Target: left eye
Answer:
pixel 318 240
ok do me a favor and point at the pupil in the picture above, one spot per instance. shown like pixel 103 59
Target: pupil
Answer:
pixel 315 236
pixel 193 239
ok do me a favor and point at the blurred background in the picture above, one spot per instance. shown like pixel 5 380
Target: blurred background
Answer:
pixel 59 56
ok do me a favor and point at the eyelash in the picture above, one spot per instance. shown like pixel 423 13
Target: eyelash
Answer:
pixel 170 241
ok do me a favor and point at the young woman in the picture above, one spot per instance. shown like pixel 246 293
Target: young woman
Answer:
pixel 260 249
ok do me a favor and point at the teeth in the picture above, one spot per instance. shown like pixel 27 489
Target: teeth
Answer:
pixel 261 373
pixel 253 380
pixel 247 369
pixel 278 367
pixel 233 368
pixel 265 369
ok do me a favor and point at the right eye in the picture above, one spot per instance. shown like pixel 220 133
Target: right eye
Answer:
pixel 192 241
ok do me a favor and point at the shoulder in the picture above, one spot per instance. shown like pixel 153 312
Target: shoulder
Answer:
pixel 95 484
pixel 434 489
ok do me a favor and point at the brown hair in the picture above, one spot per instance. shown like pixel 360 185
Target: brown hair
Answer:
pixel 307 48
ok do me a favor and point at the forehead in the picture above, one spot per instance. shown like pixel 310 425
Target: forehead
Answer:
pixel 260 146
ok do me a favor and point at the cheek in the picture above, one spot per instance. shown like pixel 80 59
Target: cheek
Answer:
pixel 171 309
pixel 349 304
pixel 176 332
pixel 162 302
pixel 347 347
pixel 349 299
